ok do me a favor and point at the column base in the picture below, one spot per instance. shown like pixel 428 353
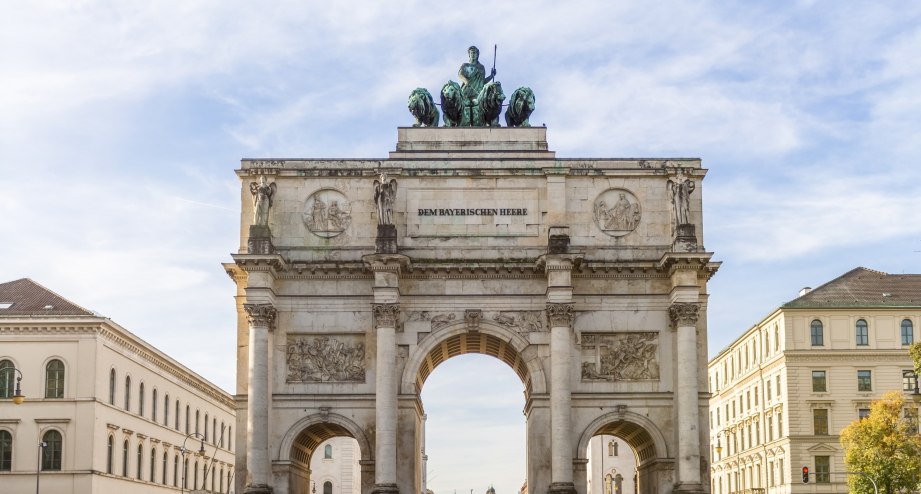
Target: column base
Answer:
pixel 688 488
pixel 562 488
pixel 385 489
pixel 257 489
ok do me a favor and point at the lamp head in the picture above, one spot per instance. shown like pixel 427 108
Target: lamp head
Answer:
pixel 201 449
pixel 718 448
pixel 18 397
pixel 916 394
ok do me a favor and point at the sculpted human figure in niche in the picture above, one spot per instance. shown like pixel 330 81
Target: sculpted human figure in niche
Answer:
pixel 473 75
pixel 262 200
pixel 681 187
pixel 385 192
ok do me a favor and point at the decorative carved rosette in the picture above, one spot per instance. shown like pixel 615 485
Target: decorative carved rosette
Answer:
pixel 385 315
pixel 261 314
pixel 560 314
pixel 684 314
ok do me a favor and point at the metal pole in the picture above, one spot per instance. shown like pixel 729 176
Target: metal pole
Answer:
pixel 38 472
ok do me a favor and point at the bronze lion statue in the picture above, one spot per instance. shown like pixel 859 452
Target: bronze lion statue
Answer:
pixel 422 107
pixel 520 107
pixel 452 105
pixel 489 104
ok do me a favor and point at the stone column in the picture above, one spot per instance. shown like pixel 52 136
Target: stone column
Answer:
pixel 385 407
pixel 258 464
pixel 560 317
pixel 684 316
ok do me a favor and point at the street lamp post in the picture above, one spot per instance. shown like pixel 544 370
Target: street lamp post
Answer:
pixel 201 452
pixel 38 472
pixel 18 397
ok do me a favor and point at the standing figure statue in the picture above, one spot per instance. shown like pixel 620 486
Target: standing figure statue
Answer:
pixel 681 187
pixel 262 200
pixel 473 76
pixel 385 192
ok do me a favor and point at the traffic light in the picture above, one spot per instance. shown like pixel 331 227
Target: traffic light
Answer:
pixel 805 475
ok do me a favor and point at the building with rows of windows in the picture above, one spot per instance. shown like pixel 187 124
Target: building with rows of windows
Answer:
pixel 782 391
pixel 104 411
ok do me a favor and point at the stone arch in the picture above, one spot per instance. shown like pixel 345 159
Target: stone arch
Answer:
pixel 637 430
pixel 488 339
pixel 319 427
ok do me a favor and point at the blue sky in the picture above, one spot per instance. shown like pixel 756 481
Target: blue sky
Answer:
pixel 121 124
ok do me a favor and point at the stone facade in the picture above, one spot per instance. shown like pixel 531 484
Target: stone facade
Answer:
pixel 489 244
pixel 114 411
pixel 782 391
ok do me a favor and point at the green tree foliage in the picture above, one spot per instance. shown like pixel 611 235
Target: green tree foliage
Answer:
pixel 885 446
pixel 915 352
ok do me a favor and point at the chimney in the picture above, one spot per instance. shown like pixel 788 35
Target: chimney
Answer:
pixel 805 290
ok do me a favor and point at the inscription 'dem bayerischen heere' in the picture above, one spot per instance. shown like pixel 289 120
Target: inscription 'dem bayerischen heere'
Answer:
pixel 473 212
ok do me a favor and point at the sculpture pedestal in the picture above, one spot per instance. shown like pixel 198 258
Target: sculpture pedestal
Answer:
pixel 257 489
pixel 260 240
pixel 685 239
pixel 386 242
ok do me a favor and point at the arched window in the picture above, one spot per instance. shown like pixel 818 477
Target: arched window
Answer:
pixel 127 393
pixel 908 332
pixel 222 434
pixel 141 399
pixel 187 409
pixel 327 487
pixel 7 378
pixel 6 451
pixel 197 417
pixel 229 441
pixel 214 430
pixel 54 379
pixel 616 446
pixel 51 456
pixel 165 466
pixel 110 455
pixel 177 415
pixel 862 333
pixel 140 464
pixel 206 427
pixel 176 471
pixel 166 410
pixel 153 405
pixel 817 333
pixel 328 452
pixel 221 485
pixel 153 464
pixel 185 473
pixel 125 459
pixel 112 387
pixel 195 477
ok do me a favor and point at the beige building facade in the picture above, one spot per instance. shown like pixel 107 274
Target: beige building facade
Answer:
pixel 611 466
pixel 112 412
pixel 356 278
pixel 782 392
pixel 335 469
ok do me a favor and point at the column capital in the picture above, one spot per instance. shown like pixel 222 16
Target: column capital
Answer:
pixel 560 314
pixel 385 315
pixel 261 314
pixel 684 314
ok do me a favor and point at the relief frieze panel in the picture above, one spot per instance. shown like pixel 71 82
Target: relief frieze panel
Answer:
pixel 620 356
pixel 325 359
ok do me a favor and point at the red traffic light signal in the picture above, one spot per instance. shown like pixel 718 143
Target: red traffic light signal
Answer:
pixel 805 475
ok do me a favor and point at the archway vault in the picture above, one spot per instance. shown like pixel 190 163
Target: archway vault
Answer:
pixel 488 339
pixel 305 435
pixel 637 430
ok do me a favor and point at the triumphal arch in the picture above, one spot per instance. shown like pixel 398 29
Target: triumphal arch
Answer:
pixel 357 277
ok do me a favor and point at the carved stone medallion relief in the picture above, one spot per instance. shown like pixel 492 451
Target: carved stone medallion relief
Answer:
pixel 327 213
pixel 521 321
pixel 325 359
pixel 617 212
pixel 620 357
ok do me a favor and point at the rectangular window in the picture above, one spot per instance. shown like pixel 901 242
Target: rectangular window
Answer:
pixel 822 469
pixel 908 336
pixel 755 392
pixel 779 393
pixel 820 421
pixel 863 413
pixel 782 473
pixel 864 381
pixel 770 429
pixel 748 400
pixel 768 392
pixel 909 380
pixel 757 433
pixel 818 381
pixel 771 476
pixel 717 416
pixel 779 424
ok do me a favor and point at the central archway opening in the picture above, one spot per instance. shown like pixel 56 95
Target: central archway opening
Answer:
pixel 473 393
pixel 324 460
pixel 622 459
